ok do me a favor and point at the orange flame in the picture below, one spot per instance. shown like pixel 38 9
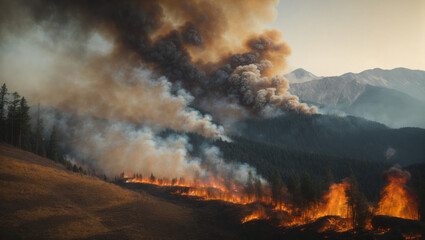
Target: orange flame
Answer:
pixel 412 236
pixel 396 200
pixel 211 189
pixel 333 203
pixel 255 215
pixel 336 225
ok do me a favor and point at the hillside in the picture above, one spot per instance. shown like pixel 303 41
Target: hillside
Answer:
pixel 41 200
pixel 267 158
pixel 348 137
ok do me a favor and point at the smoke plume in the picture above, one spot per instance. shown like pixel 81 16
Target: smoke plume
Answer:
pixel 191 66
pixel 193 43
pixel 118 146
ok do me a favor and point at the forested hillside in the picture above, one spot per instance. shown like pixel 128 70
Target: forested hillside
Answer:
pixel 348 137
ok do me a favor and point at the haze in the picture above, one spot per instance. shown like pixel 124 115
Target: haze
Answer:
pixel 332 37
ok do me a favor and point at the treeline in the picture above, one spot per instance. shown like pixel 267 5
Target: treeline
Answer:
pixel 15 129
pixel 346 137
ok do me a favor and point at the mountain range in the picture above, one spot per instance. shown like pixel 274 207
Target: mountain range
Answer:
pixel 394 97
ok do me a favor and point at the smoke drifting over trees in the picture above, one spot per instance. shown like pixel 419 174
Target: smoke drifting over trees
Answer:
pixel 143 66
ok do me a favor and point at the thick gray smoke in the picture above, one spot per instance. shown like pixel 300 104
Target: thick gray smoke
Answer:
pixel 142 31
pixel 117 146
pixel 267 96
pixel 143 66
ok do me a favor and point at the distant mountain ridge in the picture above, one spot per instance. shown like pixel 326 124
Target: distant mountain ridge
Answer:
pixel 329 90
pixel 393 97
pixel 405 80
pixel 300 75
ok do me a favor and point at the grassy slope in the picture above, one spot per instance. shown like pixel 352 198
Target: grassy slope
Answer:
pixel 39 199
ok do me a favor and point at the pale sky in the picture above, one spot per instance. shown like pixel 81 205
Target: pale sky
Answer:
pixel 332 37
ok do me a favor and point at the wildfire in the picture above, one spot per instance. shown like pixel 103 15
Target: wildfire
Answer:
pixel 331 211
pixel 333 203
pixel 412 236
pixel 211 189
pixel 255 215
pixel 336 224
pixel 396 200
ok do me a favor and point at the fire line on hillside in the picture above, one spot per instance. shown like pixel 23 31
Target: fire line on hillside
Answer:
pixel 396 201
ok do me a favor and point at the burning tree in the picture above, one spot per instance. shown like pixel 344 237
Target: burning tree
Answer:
pixel 396 199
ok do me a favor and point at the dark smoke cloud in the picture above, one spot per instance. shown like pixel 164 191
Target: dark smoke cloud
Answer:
pixel 137 26
pixel 154 63
pixel 192 35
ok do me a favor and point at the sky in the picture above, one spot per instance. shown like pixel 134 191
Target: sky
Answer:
pixel 332 37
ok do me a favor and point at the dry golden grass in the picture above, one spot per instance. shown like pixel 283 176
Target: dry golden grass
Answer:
pixel 41 200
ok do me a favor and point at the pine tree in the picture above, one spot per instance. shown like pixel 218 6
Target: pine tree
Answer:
pixel 258 188
pixel 3 103
pixel 43 147
pixel 307 190
pixel 249 188
pixel 38 134
pixel 24 124
pixel 294 189
pixel 53 150
pixel 277 188
pixel 12 118
pixel 152 178
pixel 328 181
pixel 357 203
pixel 419 187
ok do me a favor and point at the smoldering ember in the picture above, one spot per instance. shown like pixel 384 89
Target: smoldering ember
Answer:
pixel 191 119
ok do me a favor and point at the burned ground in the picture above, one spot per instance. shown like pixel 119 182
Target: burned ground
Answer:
pixel 41 200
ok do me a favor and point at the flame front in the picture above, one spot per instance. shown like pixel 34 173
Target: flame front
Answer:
pixel 211 189
pixel 334 202
pixel 395 201
pixel 255 215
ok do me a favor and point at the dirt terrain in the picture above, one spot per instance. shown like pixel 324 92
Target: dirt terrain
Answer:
pixel 40 199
